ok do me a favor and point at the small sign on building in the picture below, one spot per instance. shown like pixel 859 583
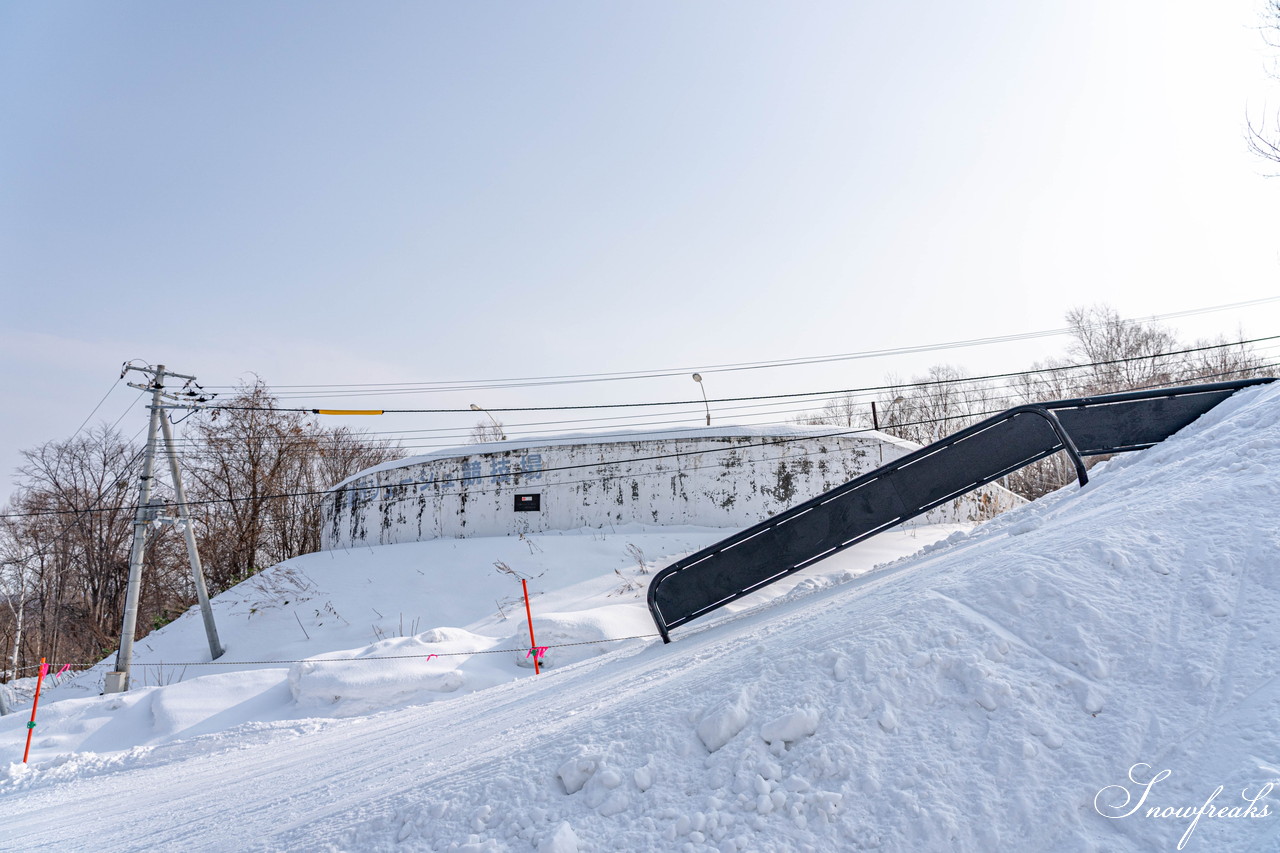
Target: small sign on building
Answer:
pixel 528 503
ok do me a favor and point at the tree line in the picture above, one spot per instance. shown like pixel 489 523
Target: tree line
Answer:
pixel 63 571
pixel 1107 354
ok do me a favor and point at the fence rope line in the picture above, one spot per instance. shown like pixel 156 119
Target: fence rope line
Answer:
pixel 87 666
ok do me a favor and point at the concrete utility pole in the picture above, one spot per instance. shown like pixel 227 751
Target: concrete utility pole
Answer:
pixel 193 554
pixel 118 680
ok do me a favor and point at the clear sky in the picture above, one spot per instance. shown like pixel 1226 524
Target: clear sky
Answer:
pixel 408 191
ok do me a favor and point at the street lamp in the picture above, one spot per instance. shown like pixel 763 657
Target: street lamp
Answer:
pixel 875 420
pixel 875 417
pixel 697 377
pixel 499 431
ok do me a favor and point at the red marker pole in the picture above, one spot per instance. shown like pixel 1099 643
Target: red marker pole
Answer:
pixel 31 726
pixel 527 612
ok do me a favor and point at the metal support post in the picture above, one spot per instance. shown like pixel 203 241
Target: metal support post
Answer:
pixel 184 518
pixel 1067 444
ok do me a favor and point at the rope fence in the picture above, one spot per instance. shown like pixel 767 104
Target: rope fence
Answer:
pixel 84 667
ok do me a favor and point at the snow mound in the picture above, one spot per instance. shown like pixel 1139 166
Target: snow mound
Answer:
pixel 403 669
pixel 582 634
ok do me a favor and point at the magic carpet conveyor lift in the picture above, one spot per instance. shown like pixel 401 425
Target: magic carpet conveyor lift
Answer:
pixel 918 482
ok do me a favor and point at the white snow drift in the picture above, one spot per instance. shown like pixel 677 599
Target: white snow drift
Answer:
pixel 1094 671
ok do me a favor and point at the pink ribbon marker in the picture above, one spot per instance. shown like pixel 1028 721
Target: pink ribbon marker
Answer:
pixel 429 657
pixel 59 675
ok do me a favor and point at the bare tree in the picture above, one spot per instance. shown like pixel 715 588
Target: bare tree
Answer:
pixel 1262 140
pixel 256 477
pixel 66 552
pixel 244 457
pixel 1224 362
pixel 18 569
pixel 1119 355
pixel 934 405
pixel 485 431
pixel 1107 354
pixel 846 411
pixel 263 471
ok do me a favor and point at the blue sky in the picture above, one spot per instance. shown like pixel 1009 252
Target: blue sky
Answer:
pixel 393 192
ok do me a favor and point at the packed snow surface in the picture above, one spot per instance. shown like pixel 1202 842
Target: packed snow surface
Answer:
pixel 1094 671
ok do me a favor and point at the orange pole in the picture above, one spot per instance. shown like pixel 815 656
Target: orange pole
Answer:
pixel 31 726
pixel 533 644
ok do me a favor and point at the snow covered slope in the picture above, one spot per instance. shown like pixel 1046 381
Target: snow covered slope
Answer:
pixel 1022 687
pixel 343 633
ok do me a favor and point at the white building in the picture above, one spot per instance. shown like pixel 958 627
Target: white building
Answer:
pixel 728 477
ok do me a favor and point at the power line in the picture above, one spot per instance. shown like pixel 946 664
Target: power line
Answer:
pixel 578 466
pixel 964 418
pixel 440 386
pixel 467 478
pixel 99 406
pixel 315 445
pixel 967 416
pixel 462 431
pixel 827 393
pixel 319 441
pixel 849 391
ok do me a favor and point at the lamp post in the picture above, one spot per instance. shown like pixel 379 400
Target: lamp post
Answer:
pixel 875 420
pixel 875 417
pixel 499 431
pixel 697 377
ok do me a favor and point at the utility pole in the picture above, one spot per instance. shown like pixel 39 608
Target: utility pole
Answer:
pixel 193 554
pixel 118 680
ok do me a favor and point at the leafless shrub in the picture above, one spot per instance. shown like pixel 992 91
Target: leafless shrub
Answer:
pixel 628 586
pixel 380 633
pixel 507 570
pixel 637 555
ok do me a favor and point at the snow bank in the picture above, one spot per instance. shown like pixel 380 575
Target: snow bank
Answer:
pixel 1001 693
pixel 576 636
pixel 388 673
pixel 343 634
pixel 1005 691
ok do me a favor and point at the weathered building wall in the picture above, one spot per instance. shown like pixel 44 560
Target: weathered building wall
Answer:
pixel 707 480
